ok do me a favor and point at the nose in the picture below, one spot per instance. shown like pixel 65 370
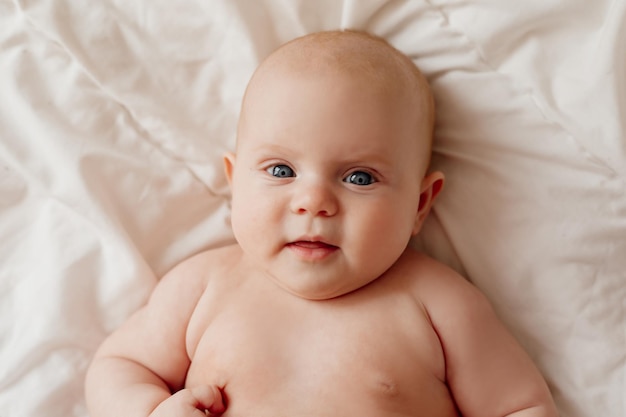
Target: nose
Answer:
pixel 315 199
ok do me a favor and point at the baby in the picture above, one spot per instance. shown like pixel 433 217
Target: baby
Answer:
pixel 321 309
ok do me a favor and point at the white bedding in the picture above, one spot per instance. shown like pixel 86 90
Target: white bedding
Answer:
pixel 114 116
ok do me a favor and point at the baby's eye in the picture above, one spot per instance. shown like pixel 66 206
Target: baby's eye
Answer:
pixel 281 171
pixel 360 178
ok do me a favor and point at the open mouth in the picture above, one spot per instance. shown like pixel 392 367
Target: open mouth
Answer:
pixel 312 250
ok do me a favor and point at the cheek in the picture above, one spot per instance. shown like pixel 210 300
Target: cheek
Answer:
pixel 387 226
pixel 379 234
pixel 253 214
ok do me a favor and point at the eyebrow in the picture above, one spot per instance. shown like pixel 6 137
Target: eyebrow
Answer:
pixel 356 156
pixel 272 148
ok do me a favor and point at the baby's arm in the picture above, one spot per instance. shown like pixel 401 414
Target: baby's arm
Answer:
pixel 488 372
pixel 138 367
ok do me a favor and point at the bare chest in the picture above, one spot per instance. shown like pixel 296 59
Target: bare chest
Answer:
pixel 355 359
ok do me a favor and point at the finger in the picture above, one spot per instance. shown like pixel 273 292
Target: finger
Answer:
pixel 208 397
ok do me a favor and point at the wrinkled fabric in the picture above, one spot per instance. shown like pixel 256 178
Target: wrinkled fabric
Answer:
pixel 114 117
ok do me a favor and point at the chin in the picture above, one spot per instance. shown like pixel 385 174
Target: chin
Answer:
pixel 317 292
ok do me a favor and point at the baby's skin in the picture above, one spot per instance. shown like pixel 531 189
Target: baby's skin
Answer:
pixel 321 308
pixel 373 352
pixel 400 346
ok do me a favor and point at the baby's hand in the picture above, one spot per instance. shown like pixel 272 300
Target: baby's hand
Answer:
pixel 192 403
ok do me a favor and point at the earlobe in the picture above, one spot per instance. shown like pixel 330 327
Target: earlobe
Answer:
pixel 432 185
pixel 229 166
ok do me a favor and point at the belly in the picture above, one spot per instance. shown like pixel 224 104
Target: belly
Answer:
pixel 266 385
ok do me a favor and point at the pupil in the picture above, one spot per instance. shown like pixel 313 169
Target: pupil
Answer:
pixel 360 178
pixel 281 171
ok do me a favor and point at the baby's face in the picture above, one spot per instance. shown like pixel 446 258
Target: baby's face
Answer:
pixel 326 181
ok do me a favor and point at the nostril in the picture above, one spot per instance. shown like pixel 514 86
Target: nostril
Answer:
pixel 315 201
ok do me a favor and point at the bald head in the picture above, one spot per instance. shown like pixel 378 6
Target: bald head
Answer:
pixel 357 58
pixel 358 55
pixel 355 54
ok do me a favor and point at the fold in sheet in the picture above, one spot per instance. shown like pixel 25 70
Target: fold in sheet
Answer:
pixel 114 117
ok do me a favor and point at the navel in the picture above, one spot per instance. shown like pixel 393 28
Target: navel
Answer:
pixel 387 387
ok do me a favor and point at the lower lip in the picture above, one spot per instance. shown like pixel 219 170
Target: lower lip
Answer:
pixel 312 251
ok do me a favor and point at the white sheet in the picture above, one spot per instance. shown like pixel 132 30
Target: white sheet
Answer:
pixel 114 116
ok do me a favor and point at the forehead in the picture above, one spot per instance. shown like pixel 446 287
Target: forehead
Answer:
pixel 324 106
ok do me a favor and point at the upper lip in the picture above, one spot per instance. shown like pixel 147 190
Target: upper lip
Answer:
pixel 312 239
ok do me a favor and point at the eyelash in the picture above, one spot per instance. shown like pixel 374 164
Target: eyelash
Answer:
pixel 288 172
pixel 371 180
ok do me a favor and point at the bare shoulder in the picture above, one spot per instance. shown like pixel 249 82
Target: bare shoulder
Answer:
pixel 155 335
pixel 432 280
pixel 207 261
pixel 476 345
pixel 444 293
pixel 194 273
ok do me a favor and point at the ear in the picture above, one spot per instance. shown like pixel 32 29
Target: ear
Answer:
pixel 229 166
pixel 431 186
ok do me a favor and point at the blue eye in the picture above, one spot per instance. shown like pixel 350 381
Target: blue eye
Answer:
pixel 281 171
pixel 360 178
